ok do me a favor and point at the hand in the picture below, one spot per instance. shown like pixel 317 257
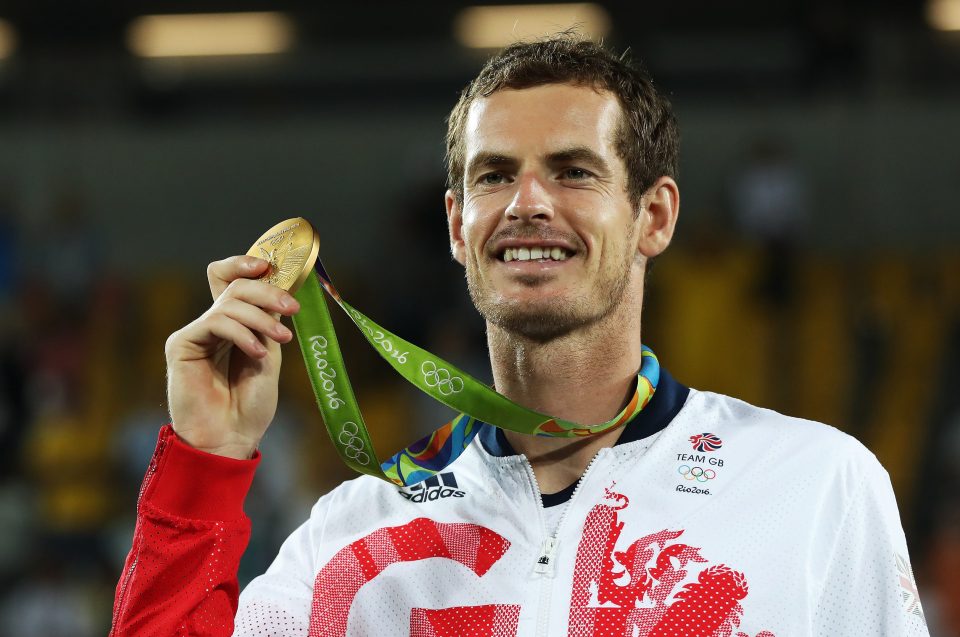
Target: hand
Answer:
pixel 223 369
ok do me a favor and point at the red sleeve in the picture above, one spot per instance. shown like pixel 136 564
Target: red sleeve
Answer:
pixel 180 577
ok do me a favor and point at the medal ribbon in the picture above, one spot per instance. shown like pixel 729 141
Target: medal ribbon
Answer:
pixel 476 402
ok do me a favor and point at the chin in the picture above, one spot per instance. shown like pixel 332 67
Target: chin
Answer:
pixel 539 319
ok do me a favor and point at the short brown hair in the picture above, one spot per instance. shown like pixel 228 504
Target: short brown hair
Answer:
pixel 647 140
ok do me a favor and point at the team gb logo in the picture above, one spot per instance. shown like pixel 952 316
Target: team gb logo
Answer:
pixel 706 442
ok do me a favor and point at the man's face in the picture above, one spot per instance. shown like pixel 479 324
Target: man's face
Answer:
pixel 546 231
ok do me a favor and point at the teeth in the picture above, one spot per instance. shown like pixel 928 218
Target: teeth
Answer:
pixel 532 254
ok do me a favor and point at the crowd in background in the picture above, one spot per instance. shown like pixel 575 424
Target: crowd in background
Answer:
pixel 868 343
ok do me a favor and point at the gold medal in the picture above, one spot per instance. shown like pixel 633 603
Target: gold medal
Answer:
pixel 291 247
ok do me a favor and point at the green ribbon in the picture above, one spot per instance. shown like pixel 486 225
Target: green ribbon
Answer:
pixel 476 402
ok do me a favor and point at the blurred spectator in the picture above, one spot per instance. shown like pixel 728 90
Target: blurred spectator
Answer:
pixel 68 254
pixel 50 603
pixel 769 197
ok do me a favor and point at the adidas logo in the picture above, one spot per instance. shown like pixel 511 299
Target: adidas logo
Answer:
pixel 431 489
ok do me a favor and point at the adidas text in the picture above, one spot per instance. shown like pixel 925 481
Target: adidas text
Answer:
pixel 443 485
pixel 436 493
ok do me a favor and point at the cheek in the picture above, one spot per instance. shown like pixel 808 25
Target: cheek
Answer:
pixel 605 228
pixel 473 229
pixel 469 231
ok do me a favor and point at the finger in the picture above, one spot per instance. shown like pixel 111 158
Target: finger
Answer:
pixel 255 319
pixel 262 295
pixel 213 328
pixel 221 274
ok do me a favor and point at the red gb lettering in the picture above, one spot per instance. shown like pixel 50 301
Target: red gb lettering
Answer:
pixel 474 546
pixel 639 590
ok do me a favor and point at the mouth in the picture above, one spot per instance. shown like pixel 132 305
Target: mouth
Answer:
pixel 534 253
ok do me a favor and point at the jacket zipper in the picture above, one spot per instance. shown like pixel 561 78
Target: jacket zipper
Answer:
pixel 545 566
pixel 121 594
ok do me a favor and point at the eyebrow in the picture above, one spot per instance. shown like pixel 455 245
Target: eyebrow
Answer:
pixel 576 154
pixel 579 154
pixel 489 159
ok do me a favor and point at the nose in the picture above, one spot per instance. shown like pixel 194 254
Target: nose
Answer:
pixel 530 202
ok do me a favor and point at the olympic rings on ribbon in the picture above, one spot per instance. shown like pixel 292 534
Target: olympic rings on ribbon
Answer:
pixel 696 473
pixel 353 445
pixel 440 378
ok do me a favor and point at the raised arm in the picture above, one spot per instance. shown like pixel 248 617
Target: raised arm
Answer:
pixel 180 576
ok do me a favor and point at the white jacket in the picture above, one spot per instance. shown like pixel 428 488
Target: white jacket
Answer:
pixel 710 517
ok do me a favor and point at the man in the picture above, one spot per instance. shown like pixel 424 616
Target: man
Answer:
pixel 700 516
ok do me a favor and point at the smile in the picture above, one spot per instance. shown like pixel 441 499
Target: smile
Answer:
pixel 554 253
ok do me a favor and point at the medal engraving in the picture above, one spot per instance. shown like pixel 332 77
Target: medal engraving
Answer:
pixel 291 248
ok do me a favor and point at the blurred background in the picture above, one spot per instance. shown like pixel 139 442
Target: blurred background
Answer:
pixel 816 267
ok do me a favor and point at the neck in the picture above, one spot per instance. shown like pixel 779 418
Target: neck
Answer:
pixel 586 376
pixel 584 380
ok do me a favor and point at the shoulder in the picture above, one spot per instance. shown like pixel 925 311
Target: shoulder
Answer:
pixel 352 509
pixel 773 439
pixel 363 493
pixel 752 424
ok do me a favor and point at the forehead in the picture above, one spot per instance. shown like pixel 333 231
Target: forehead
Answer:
pixel 542 118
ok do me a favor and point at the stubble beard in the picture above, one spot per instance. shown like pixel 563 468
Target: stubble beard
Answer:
pixel 544 321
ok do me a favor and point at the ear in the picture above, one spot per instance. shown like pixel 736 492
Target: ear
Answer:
pixel 658 217
pixel 455 227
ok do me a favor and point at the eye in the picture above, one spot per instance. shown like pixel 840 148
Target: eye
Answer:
pixel 491 179
pixel 575 173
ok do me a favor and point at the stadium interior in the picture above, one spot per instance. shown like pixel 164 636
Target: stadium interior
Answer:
pixel 815 269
